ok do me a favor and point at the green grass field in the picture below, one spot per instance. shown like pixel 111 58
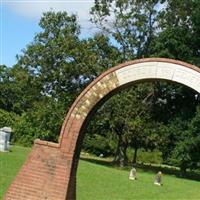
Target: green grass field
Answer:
pixel 102 182
pixel 10 162
pixel 110 183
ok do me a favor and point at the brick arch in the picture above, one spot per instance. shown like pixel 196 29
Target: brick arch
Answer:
pixel 50 170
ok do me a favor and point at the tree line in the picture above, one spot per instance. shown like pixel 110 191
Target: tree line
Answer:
pixel 57 65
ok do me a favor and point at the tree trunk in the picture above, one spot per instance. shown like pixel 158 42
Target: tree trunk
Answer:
pixel 120 154
pixel 183 169
pixel 116 157
pixel 123 156
pixel 135 156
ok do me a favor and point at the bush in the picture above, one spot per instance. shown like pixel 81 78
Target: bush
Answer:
pixel 7 118
pixel 97 144
pixel 24 131
pixel 44 121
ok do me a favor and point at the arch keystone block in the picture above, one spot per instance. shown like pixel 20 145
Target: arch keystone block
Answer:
pixel 49 172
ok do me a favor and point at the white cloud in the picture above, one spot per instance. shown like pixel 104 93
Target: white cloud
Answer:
pixel 34 9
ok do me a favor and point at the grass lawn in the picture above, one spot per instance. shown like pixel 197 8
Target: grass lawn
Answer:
pixel 105 183
pixel 10 163
pixel 101 182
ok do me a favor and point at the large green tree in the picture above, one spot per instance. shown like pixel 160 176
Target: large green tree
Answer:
pixel 63 63
pixel 184 150
pixel 131 24
pixel 59 64
pixel 179 31
pixel 126 120
pixel 18 89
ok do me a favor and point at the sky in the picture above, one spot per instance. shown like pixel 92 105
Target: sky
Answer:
pixel 19 22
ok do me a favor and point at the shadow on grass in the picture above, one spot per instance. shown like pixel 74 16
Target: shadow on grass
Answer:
pixel 99 162
pixel 192 175
pixel 147 168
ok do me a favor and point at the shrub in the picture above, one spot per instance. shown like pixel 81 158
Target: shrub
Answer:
pixel 97 145
pixel 7 118
pixel 43 121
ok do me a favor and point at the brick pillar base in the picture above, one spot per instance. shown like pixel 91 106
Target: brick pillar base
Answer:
pixel 44 175
pixel 71 193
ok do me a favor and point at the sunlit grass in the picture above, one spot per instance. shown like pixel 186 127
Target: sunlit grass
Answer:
pixel 10 163
pixel 101 181
pixel 105 183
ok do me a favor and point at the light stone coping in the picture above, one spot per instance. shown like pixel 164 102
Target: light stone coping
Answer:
pixel 159 70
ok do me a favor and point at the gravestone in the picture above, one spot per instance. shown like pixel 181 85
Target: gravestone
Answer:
pixel 132 175
pixel 158 179
pixel 5 138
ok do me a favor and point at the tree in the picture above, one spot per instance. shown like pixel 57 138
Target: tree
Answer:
pixel 130 23
pixel 196 32
pixel 51 72
pixel 50 57
pixel 18 89
pixel 125 120
pixel 7 118
pixel 63 63
pixel 143 134
pixel 178 39
pixel 186 153
pixel 43 121
pixel 179 34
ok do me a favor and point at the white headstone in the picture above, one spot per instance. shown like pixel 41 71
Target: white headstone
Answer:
pixel 158 179
pixel 132 175
pixel 5 138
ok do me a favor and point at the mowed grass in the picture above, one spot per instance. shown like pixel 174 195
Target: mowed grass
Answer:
pixel 10 163
pixel 105 183
pixel 101 182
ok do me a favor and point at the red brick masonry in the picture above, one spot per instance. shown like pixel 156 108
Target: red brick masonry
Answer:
pixel 50 170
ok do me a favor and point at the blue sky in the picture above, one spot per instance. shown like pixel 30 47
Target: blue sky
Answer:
pixel 20 18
